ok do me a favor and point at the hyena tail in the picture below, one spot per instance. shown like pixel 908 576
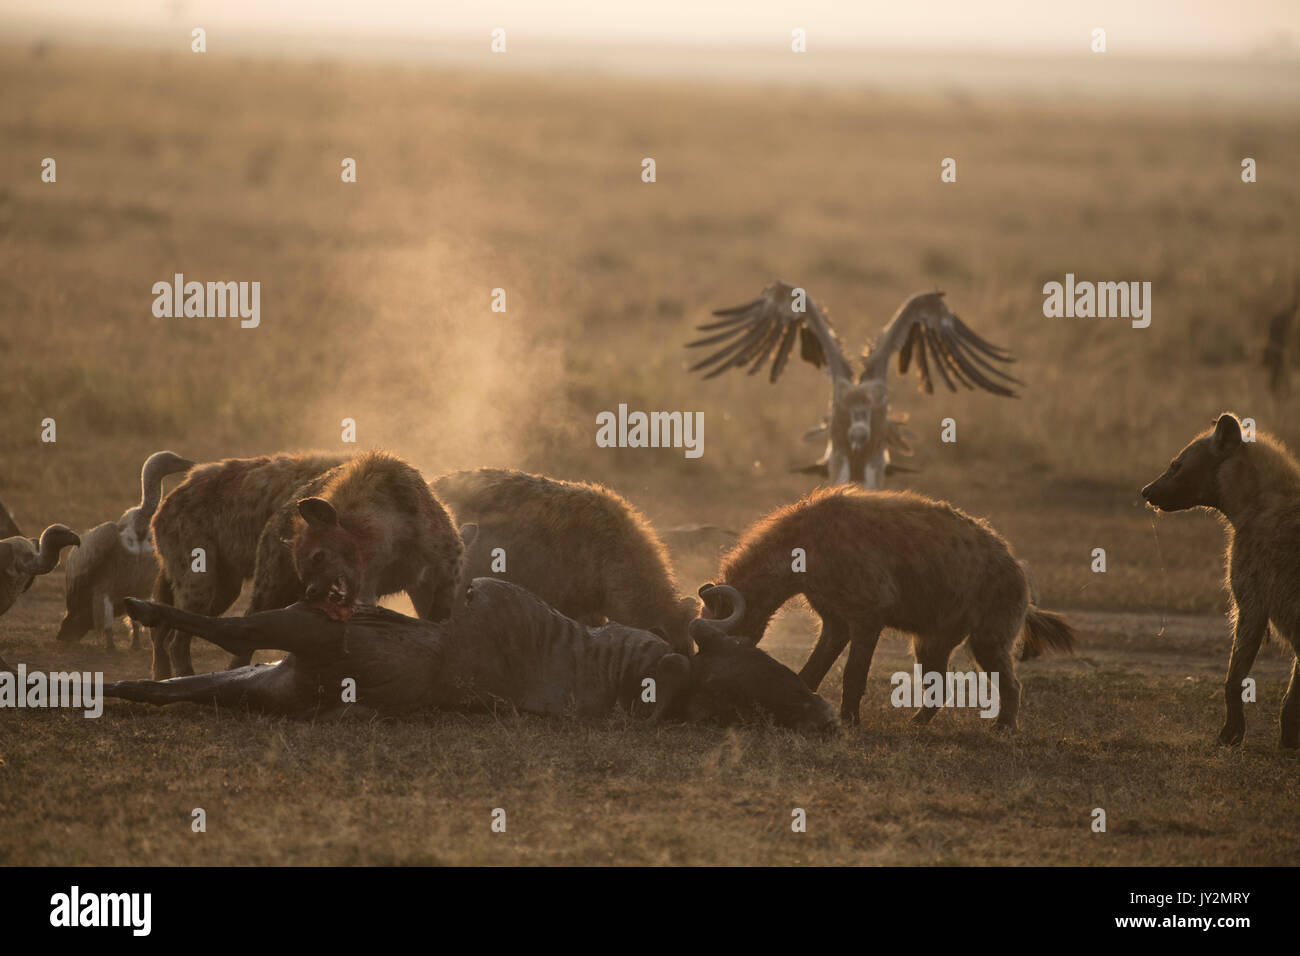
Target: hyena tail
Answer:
pixel 1046 631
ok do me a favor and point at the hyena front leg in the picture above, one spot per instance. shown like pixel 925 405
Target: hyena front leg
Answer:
pixel 861 649
pixel 932 653
pixel 830 643
pixel 1290 737
pixel 432 600
pixel 1248 634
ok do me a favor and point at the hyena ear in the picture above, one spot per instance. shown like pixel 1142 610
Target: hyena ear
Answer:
pixel 318 511
pixel 1227 435
pixel 469 534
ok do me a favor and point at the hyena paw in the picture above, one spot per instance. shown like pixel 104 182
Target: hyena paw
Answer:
pixel 1232 733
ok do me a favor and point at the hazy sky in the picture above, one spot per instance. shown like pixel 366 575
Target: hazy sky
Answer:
pixel 1143 27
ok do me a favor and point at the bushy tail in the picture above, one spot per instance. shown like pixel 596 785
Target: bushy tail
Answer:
pixel 1046 631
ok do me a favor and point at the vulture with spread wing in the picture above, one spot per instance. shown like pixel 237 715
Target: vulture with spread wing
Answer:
pixel 858 427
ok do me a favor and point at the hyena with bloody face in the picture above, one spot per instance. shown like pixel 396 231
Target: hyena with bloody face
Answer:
pixel 376 528
pixel 221 507
pixel 1255 487
pixel 873 560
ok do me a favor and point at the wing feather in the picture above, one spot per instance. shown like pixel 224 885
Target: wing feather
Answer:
pixel 751 334
pixel 940 341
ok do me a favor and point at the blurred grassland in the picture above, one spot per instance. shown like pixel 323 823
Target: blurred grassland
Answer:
pixel 375 296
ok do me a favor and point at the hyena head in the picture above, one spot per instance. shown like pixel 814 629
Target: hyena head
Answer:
pixel 733 681
pixel 328 558
pixel 1192 478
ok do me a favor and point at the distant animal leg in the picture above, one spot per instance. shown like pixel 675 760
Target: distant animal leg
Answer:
pixel 103 612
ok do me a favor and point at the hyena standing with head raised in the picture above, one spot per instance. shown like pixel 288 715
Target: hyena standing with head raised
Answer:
pixel 1255 486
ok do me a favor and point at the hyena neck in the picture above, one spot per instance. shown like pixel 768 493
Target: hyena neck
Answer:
pixel 1253 482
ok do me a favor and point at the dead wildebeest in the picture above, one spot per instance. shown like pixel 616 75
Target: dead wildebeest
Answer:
pixel 205 535
pixel 502 646
pixel 1255 486
pixel 873 560
pixel 580 547
pixel 365 529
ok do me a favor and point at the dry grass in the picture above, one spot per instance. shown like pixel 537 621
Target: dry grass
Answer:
pixel 375 306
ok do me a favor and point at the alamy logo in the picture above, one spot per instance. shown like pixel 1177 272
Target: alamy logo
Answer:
pixel 651 430
pixel 215 300
pixel 1101 300
pixel 78 690
pixel 951 689
pixel 75 908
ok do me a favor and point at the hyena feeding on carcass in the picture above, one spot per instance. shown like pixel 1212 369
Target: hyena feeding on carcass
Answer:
pixel 365 529
pixel 221 508
pixel 579 547
pixel 873 560
pixel 1255 487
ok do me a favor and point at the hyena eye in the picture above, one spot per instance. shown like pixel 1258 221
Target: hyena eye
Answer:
pixel 317 558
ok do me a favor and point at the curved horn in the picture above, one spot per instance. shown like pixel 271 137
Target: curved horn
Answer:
pixel 53 540
pixel 737 605
pixel 157 467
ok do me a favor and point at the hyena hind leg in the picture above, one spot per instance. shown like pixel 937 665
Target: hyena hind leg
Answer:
pixel 214 604
pixel 993 654
pixel 160 636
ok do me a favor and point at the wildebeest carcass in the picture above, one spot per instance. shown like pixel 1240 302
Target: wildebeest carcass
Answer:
pixel 502 646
